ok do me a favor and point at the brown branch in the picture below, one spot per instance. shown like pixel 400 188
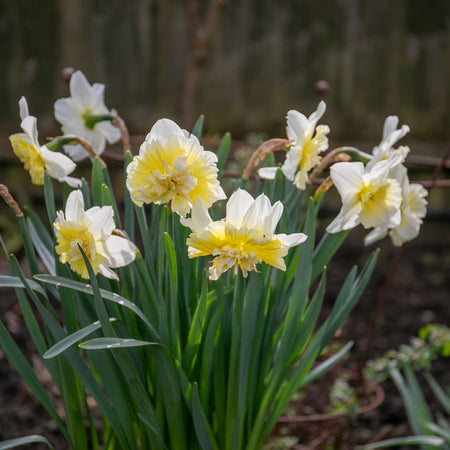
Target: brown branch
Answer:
pixel 9 200
pixel 272 145
pixel 121 125
pixel 85 144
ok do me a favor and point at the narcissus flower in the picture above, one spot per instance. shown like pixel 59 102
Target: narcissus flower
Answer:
pixel 391 135
pixel 413 209
pixel 369 197
pixel 309 141
pixel 92 231
pixel 244 238
pixel 84 114
pixel 36 158
pixel 172 167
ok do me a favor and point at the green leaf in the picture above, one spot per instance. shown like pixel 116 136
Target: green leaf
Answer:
pixel 70 340
pixel 107 295
pixel 198 127
pixel 222 153
pixel 113 342
pixel 201 425
pixel 440 394
pixel 325 250
pixel 408 440
pixel 15 282
pixel 97 181
pixel 49 198
pixel 324 367
pixel 32 439
pixel 22 366
pixel 128 204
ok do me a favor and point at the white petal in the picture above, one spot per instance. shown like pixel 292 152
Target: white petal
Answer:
pixel 97 93
pixel 75 206
pixel 71 181
pixel 108 273
pixel 347 218
pixel 291 240
pixel 296 127
pixel 314 118
pixel 347 177
pixel 199 219
pixel 277 211
pixel 257 213
pixel 163 129
pixel 57 164
pixel 375 235
pixel 23 108
pixel 268 173
pixel 390 124
pixel 121 251
pixel 102 220
pixel 29 126
pixel 108 130
pixel 396 136
pixel 292 161
pixel 237 205
pixel 80 90
pixel 66 111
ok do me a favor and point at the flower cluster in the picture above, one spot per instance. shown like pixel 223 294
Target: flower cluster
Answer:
pixel 379 195
pixel 173 168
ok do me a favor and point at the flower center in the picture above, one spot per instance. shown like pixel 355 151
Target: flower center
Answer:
pixel 233 255
pixel 29 157
pixel 70 235
pixel 176 177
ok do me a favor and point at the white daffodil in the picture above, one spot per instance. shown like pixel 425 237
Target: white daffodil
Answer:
pixel 369 197
pixel 36 158
pixel 84 114
pixel 92 231
pixel 413 209
pixel 244 238
pixel 391 135
pixel 309 141
pixel 172 167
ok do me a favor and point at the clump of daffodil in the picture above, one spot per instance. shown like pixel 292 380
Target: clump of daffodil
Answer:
pixel 244 238
pixel 371 197
pixel 172 167
pixel 92 231
pixel 84 114
pixel 309 140
pixel 413 209
pixel 36 158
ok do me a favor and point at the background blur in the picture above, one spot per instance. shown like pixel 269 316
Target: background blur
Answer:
pixel 263 58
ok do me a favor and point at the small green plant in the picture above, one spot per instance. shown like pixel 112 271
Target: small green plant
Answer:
pixel 430 430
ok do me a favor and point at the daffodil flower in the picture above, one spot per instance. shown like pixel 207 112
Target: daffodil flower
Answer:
pixel 370 197
pixel 413 209
pixel 391 135
pixel 84 114
pixel 92 231
pixel 172 167
pixel 244 238
pixel 36 158
pixel 309 140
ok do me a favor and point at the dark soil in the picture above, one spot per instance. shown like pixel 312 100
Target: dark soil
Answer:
pixel 419 295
